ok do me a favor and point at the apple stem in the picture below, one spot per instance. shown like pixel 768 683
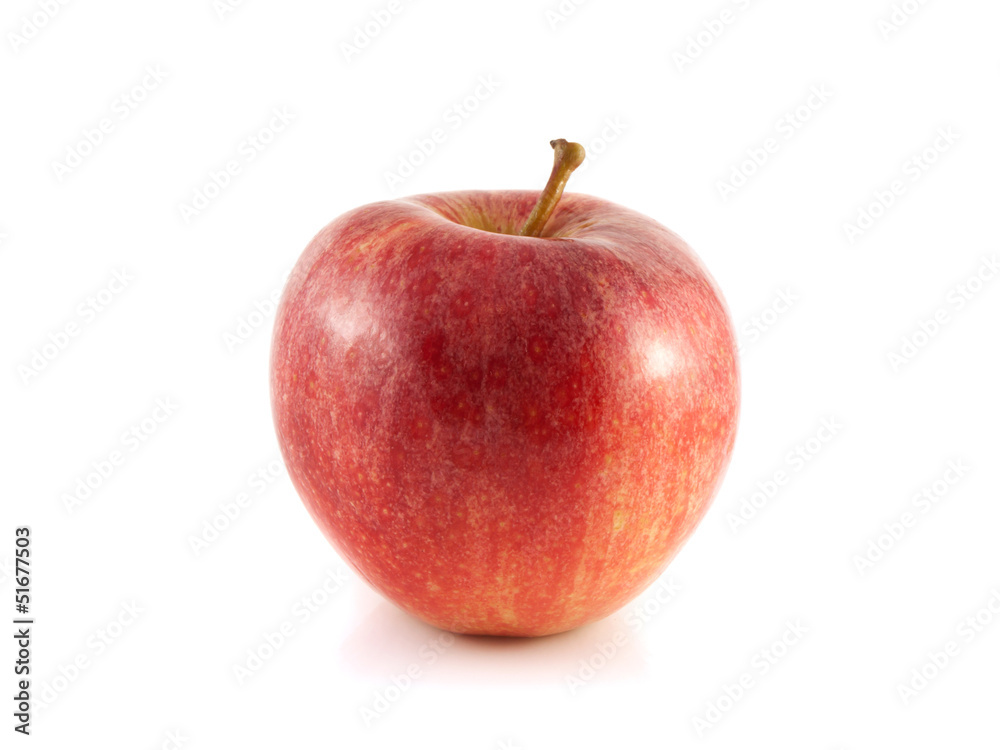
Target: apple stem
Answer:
pixel 569 156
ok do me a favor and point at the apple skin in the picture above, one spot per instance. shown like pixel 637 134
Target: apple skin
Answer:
pixel 504 435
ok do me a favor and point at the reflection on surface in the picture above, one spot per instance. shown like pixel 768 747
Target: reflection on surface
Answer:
pixel 660 360
pixel 388 641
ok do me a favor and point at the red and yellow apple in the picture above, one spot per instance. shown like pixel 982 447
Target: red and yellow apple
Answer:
pixel 507 410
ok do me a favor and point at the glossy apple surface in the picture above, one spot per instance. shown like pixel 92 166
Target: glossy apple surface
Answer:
pixel 502 434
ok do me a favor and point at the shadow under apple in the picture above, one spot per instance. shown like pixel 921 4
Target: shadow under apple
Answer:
pixel 388 641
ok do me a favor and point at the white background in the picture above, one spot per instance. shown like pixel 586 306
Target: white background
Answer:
pixel 192 326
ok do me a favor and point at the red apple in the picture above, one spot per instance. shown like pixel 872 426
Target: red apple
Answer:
pixel 505 431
